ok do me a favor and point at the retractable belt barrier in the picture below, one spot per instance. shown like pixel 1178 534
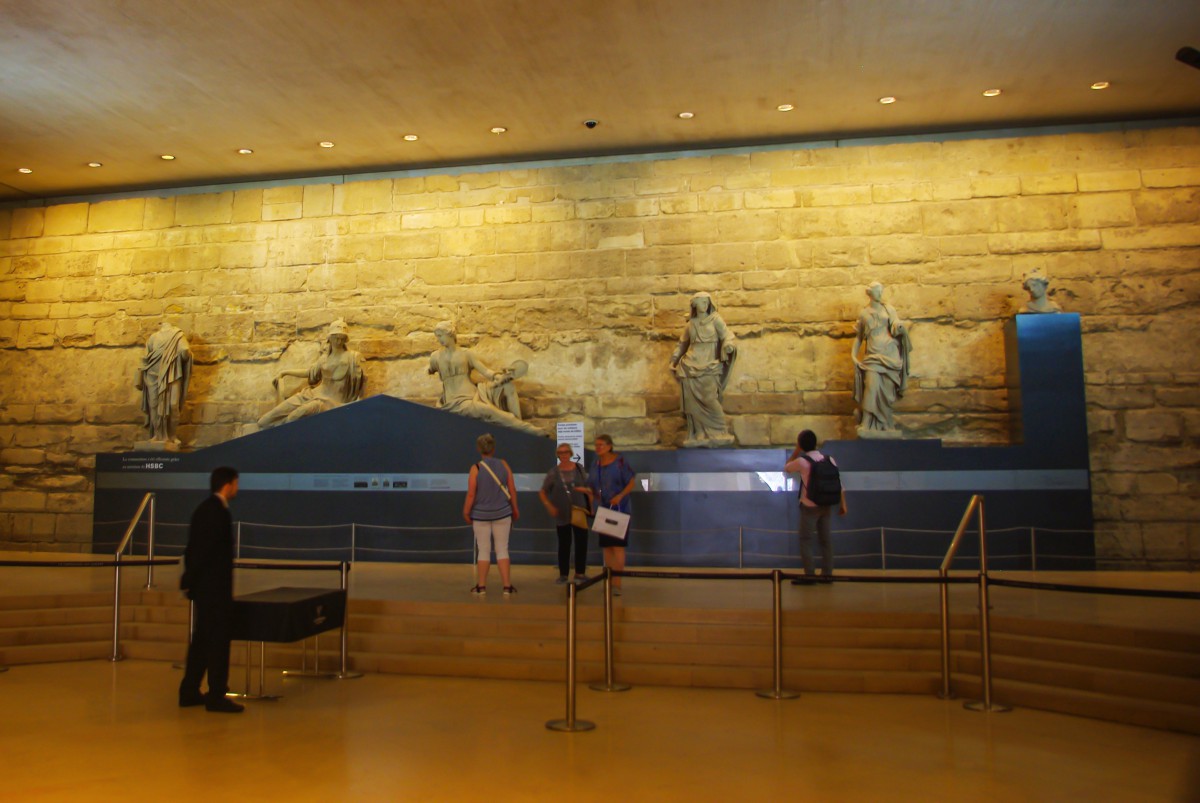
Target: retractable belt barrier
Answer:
pixel 570 723
pixel 1158 593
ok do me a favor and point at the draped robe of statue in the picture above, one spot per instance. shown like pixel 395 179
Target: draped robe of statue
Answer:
pixel 163 377
pixel 703 361
pixel 883 375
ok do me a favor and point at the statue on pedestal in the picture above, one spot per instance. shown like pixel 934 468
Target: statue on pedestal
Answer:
pixel 881 374
pixel 336 378
pixel 1036 285
pixel 703 362
pixel 495 400
pixel 162 377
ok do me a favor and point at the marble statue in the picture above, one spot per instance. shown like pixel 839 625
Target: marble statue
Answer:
pixel 162 377
pixel 1036 284
pixel 494 400
pixel 881 373
pixel 336 378
pixel 702 362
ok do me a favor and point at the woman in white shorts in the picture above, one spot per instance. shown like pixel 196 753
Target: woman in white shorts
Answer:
pixel 491 508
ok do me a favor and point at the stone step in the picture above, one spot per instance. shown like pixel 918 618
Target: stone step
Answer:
pixel 54 634
pixel 49 617
pixel 1102 680
pixel 1114 708
pixel 1118 656
pixel 55 653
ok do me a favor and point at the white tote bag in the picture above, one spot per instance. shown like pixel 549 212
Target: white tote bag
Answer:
pixel 612 523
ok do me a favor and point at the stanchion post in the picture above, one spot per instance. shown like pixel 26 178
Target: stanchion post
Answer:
pixel 570 724
pixel 1033 547
pixel 353 539
pixel 740 545
pixel 985 630
pixel 609 684
pixel 237 551
pixel 777 693
pixel 344 673
pixel 883 548
pixel 944 597
pixel 150 545
pixel 116 639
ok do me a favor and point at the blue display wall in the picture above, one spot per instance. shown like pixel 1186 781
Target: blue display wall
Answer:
pixel 384 479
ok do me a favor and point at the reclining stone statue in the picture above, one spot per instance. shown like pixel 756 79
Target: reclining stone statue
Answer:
pixel 494 400
pixel 336 378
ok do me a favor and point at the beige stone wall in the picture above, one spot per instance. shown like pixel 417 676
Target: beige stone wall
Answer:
pixel 585 271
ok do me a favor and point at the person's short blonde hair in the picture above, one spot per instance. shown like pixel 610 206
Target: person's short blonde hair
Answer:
pixel 486 444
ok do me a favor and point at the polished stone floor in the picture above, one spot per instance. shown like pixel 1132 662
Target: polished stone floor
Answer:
pixel 95 731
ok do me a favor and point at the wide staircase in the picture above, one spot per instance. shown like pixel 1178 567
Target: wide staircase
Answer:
pixel 1124 674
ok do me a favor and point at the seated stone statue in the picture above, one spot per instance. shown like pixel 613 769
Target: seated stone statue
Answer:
pixel 336 378
pixel 494 400
pixel 881 374
pixel 702 362
pixel 1036 285
pixel 163 377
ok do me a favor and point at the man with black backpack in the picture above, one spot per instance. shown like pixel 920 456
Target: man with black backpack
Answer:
pixel 820 490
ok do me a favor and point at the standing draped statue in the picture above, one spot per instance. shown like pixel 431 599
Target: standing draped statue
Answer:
pixel 881 374
pixel 162 377
pixel 494 400
pixel 336 378
pixel 702 362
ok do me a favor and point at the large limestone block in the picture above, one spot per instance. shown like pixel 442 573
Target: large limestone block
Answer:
pixel 1167 206
pixel 122 215
pixel 204 209
pixel 1152 426
pixel 362 197
pixel 1109 180
pixel 27 222
pixel 64 219
pixel 1103 210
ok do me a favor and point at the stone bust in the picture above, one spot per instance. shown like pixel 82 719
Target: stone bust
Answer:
pixel 1036 284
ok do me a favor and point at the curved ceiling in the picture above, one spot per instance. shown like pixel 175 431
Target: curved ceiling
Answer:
pixel 122 83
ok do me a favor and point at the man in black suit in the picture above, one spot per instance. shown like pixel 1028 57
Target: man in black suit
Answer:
pixel 208 581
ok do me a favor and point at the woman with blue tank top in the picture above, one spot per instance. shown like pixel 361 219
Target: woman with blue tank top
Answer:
pixel 612 481
pixel 491 508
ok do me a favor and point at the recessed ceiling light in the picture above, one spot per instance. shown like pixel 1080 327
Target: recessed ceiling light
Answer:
pixel 991 93
pixel 410 137
pixel 784 107
pixel 325 143
pixel 1101 85
pixel 24 170
pixel 686 115
pixel 166 157
pixel 245 151
pixel 95 164
pixel 499 129
pixel 887 100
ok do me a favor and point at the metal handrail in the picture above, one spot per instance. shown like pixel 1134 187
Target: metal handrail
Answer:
pixel 147 500
pixel 985 630
pixel 944 571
